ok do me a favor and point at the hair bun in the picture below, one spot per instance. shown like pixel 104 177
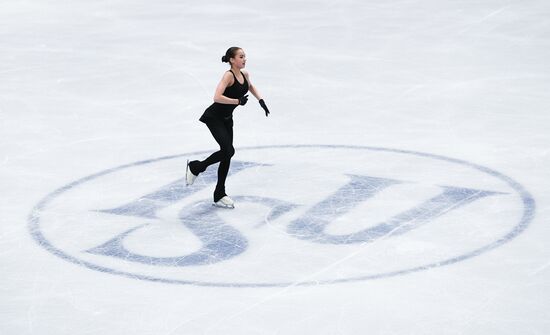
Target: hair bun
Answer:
pixel 230 53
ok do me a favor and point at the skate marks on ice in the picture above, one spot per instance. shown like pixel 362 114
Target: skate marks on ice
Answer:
pixel 300 218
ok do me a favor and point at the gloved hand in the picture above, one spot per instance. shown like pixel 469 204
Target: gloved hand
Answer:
pixel 243 100
pixel 262 103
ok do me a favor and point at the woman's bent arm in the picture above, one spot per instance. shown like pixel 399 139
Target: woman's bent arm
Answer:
pixel 218 95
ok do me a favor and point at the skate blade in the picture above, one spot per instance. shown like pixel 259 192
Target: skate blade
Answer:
pixel 186 172
pixel 223 206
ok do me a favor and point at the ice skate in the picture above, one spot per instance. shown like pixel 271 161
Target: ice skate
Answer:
pixel 225 202
pixel 189 176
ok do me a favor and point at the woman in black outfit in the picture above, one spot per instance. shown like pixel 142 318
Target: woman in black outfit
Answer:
pixel 230 93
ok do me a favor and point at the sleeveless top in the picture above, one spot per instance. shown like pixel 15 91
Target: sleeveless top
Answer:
pixel 225 111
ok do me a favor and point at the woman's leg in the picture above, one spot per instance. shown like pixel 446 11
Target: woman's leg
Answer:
pixel 227 152
pixel 222 130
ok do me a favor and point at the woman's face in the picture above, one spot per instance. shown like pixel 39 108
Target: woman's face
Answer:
pixel 239 61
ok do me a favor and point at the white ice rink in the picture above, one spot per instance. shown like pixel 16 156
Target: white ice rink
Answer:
pixel 399 186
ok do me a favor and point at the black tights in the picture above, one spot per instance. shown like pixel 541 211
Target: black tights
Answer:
pixel 222 130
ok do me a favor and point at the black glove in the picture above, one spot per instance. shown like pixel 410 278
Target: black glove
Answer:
pixel 262 103
pixel 243 100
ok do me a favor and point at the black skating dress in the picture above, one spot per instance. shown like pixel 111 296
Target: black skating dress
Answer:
pixel 225 111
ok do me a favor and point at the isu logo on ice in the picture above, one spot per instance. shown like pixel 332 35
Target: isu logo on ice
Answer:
pixel 312 214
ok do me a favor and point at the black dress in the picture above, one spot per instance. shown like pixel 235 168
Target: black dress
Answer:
pixel 225 111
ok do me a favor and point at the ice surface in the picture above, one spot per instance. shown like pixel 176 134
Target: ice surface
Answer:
pixel 399 186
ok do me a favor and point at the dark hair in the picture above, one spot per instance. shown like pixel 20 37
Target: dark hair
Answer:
pixel 230 53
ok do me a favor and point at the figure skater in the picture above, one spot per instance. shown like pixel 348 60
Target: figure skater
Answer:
pixel 230 93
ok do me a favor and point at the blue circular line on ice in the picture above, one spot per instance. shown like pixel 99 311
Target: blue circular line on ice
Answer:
pixel 527 199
